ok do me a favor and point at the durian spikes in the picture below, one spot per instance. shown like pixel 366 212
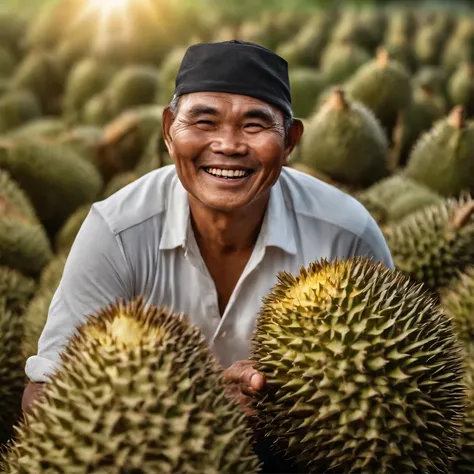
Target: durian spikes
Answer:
pixel 457 118
pixel 462 216
pixel 8 209
pixel 382 57
pixel 337 99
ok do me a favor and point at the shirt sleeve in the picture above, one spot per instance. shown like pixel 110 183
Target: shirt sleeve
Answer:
pixel 96 274
pixel 372 244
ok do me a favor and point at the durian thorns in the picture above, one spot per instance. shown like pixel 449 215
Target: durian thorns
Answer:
pixel 457 117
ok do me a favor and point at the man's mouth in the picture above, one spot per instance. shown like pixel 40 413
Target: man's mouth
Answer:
pixel 227 173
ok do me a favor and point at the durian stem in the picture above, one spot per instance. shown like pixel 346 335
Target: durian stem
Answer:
pixel 337 100
pixel 456 118
pixel 382 57
pixel 462 215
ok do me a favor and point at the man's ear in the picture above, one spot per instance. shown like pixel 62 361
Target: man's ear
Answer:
pixel 293 137
pixel 166 123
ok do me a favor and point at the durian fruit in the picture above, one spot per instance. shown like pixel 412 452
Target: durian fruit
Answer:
pixel 443 157
pixel 17 108
pixel 24 245
pixel 159 403
pixel 384 86
pixel 400 22
pixel 97 111
pixel 340 60
pixel 168 71
pixel 16 289
pixel 125 139
pixel 363 371
pixel 40 73
pixel 400 49
pixel 36 313
pixel 306 85
pixel 56 179
pixel 84 140
pixel 426 108
pixel 7 62
pixel 118 182
pixel 155 155
pixel 87 78
pixel 459 47
pixel 16 195
pixel 45 127
pixel 431 245
pixel 399 196
pixel 12 27
pixel 12 373
pixel 429 43
pixel 457 300
pixel 305 48
pixel 345 141
pixel 433 78
pixel 131 87
pixel 461 88
pixel 67 234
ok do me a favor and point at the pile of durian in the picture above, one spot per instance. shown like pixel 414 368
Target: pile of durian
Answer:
pixel 368 370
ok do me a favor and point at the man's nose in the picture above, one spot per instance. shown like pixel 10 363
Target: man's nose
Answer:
pixel 229 142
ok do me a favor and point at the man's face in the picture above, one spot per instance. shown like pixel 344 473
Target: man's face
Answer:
pixel 228 148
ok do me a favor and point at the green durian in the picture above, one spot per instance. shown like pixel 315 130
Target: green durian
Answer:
pixel 131 87
pixel 12 375
pixel 67 234
pixel 118 182
pixel 16 195
pixel 363 371
pixel 400 22
pixel 17 108
pixel 154 156
pixel 433 78
pixel 431 245
pixel 45 127
pixel 125 139
pixel 159 402
pixel 24 245
pixel 16 289
pixel 399 196
pixel 383 85
pixel 306 85
pixel 443 157
pixel 56 179
pixel 7 62
pixel 345 141
pixel 87 78
pixel 40 73
pixel 461 88
pixel 457 300
pixel 429 43
pixel 84 139
pixel 459 47
pixel 12 27
pixel 340 60
pixel 97 111
pixel 168 71
pixel 400 49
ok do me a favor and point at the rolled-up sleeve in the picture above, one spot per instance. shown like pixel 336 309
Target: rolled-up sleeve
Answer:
pixel 96 274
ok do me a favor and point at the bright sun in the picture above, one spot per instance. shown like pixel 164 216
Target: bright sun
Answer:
pixel 107 6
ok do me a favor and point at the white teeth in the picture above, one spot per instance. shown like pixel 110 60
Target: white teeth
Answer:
pixel 226 173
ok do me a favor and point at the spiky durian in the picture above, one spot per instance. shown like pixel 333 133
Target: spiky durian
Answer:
pixel 434 243
pixel 16 195
pixel 131 87
pixel 45 127
pixel 87 78
pixel 97 111
pixel 84 140
pixel 159 403
pixel 400 49
pixel 399 196
pixel 443 158
pixel 459 47
pixel 118 182
pixel 24 245
pixel 363 371
pixel 7 62
pixel 384 86
pixel 125 138
pixel 168 70
pixel 154 156
pixel 433 78
pixel 56 179
pixel 12 27
pixel 458 301
pixel 17 108
pixel 12 373
pixel 39 73
pixel 306 85
pixel 429 43
pixel 67 234
pixel 345 141
pixel 340 60
pixel 15 289
pixel 461 88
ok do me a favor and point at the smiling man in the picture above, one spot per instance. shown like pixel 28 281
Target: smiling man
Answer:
pixel 208 235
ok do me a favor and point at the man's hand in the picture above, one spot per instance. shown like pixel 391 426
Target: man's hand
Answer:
pixel 243 381
pixel 33 392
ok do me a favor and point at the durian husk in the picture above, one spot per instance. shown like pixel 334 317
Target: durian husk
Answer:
pixel 363 371
pixel 11 190
pixel 16 290
pixel 306 85
pixel 66 236
pixel 18 108
pixel 461 87
pixel 158 405
pixel 12 373
pixel 443 157
pixel 118 182
pixel 431 245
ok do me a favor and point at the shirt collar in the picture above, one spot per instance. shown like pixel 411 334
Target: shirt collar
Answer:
pixel 277 226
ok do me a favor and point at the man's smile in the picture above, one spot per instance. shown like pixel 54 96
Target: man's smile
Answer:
pixel 227 173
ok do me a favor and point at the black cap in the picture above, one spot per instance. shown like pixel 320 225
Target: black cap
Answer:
pixel 236 67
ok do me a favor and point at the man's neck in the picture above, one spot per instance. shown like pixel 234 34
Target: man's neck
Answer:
pixel 225 233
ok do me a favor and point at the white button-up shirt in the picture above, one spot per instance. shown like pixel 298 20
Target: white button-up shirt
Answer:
pixel 139 242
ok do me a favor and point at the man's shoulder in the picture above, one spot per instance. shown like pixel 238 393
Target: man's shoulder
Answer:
pixel 143 199
pixel 314 199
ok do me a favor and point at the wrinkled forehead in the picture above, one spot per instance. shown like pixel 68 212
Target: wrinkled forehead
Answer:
pixel 221 103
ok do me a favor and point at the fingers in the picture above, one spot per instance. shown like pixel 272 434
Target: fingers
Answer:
pixel 246 376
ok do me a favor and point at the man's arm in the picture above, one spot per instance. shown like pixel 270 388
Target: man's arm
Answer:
pixel 96 274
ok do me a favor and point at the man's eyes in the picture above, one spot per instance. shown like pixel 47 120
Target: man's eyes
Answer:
pixel 247 125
